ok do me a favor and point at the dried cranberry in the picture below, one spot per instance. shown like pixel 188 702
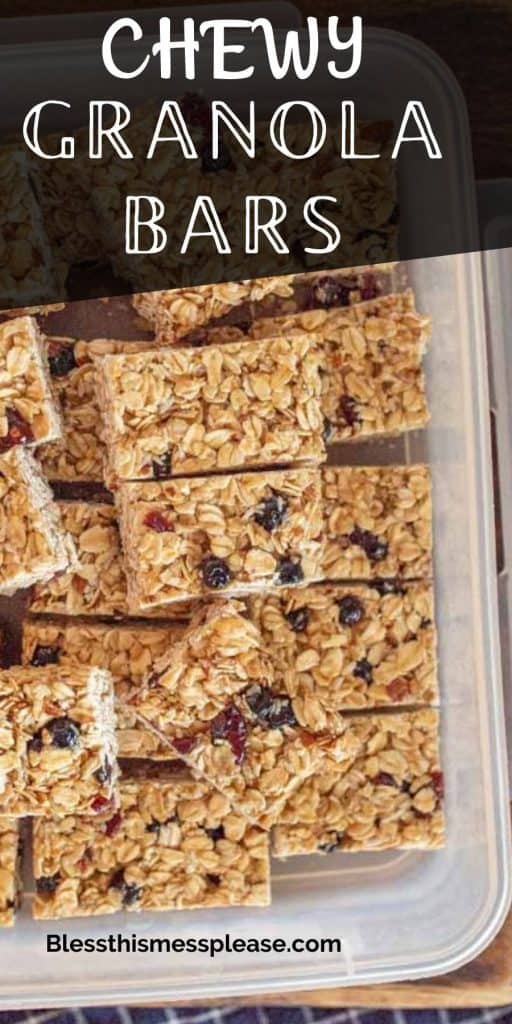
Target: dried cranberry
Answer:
pixel 215 833
pixel 363 669
pixel 18 430
pixel 130 892
pixel 369 288
pixel 64 732
pixel 184 744
pixel 270 709
pixel 100 803
pixel 384 779
pixel 374 548
pixel 45 654
pixel 271 512
pixel 158 522
pixel 327 292
pixel 438 784
pixel 113 825
pixel 103 774
pixel 289 572
pixel 348 410
pixel 215 572
pixel 61 359
pixel 398 689
pixel 211 164
pixel 162 466
pixel 298 619
pixel 229 725
pixel 351 610
pixel 47 884
pixel 327 430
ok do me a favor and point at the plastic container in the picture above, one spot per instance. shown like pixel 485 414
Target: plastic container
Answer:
pixel 401 915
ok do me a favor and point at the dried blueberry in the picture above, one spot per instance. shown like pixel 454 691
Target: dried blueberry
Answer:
pixel 158 522
pixel 374 548
pixel 64 732
pixel 271 709
pixel 289 572
pixel 215 572
pixel 36 743
pixel 211 164
pixel 271 512
pixel 213 879
pixel 45 654
pixel 386 587
pixel 351 610
pixel 331 844
pixel 103 774
pixel 162 466
pixel 61 359
pixel 47 884
pixel 215 833
pixel 229 725
pixel 363 669
pixel 348 411
pixel 327 430
pixel 154 826
pixel 130 892
pixel 327 292
pixel 298 619
pixel 18 430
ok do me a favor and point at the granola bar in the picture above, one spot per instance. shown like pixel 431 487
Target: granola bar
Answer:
pixel 28 414
pixel 34 544
pixel 216 702
pixel 193 537
pixel 96 585
pixel 372 380
pixel 339 647
pixel 58 749
pixel 174 844
pixel 178 312
pixel 186 411
pixel 80 454
pixel 378 522
pixel 390 796
pixel 10 871
pixel 127 650
pixel 26 268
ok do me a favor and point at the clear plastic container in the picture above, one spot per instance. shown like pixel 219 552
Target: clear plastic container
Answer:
pixel 401 915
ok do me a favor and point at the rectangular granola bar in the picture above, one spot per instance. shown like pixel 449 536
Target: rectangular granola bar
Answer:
pixel 372 380
pixel 195 537
pixel 26 265
pixel 28 413
pixel 96 585
pixel 178 312
pixel 80 453
pixel 216 702
pixel 174 844
pixel 390 796
pixel 10 871
pixel 378 522
pixel 127 650
pixel 187 411
pixel 337 647
pixel 58 748
pixel 34 543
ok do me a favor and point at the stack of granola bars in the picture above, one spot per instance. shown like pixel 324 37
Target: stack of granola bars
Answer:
pixel 258 606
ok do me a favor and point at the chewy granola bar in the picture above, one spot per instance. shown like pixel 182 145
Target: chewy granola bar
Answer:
pixel 174 844
pixel 34 544
pixel 372 377
pixel 128 651
pixel 26 267
pixel 80 453
pixel 378 522
pixel 97 583
pixel 57 748
pixel 10 871
pixel 185 411
pixel 28 413
pixel 390 796
pixel 195 537
pixel 216 703
pixel 339 647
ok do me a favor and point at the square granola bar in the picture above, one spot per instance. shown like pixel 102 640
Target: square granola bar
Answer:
pixel 390 796
pixel 174 844
pixel 195 537
pixel 127 650
pixel 378 522
pixel 28 413
pixel 34 544
pixel 337 647
pixel 58 749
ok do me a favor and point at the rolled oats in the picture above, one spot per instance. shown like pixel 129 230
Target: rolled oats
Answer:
pixel 10 871
pixel 193 537
pixel 57 748
pixel 377 522
pixel 390 795
pixel 174 844
pixel 34 543
pixel 28 413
